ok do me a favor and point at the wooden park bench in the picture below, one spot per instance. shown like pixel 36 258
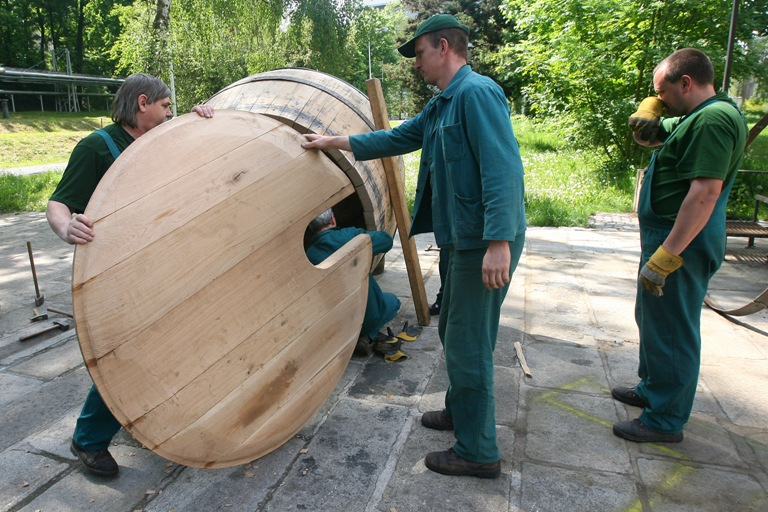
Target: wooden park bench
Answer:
pixel 750 229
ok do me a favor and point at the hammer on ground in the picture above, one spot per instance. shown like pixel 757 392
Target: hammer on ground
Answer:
pixel 38 315
pixel 59 311
pixel 39 297
pixel 64 326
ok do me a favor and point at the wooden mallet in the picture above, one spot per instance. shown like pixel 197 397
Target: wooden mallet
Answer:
pixel 39 297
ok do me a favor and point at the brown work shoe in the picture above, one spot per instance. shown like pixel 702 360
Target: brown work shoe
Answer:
pixel 98 462
pixel 437 420
pixel 364 347
pixel 448 463
pixel 628 396
pixel 639 432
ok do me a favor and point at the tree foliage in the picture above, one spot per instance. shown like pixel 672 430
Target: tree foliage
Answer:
pixel 588 62
pixel 585 62
pixel 207 44
pixel 489 30
pixel 18 34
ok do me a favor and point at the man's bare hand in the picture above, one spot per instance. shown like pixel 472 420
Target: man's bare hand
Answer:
pixel 203 110
pixel 315 141
pixel 496 264
pixel 79 230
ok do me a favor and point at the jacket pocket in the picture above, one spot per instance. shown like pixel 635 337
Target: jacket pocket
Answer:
pixel 453 142
pixel 468 217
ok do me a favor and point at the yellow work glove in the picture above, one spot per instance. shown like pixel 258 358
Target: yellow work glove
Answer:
pixel 653 275
pixel 647 120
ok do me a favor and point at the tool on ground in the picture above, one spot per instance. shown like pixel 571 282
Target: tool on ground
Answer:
pixel 61 312
pixel 521 358
pixel 39 298
pixel 37 315
pixel 63 325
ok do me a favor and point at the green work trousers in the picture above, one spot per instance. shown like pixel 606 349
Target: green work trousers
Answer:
pixel 469 324
pixel 670 337
pixel 96 425
pixel 669 326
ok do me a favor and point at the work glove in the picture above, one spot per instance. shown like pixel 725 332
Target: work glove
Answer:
pixel 653 275
pixel 389 346
pixel 407 333
pixel 647 120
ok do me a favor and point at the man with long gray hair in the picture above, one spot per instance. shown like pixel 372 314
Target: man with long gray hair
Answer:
pixel 142 103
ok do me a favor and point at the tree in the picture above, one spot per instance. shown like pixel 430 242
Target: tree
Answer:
pixel 210 43
pixel 373 47
pixel 489 31
pixel 318 34
pixel 17 33
pixel 589 62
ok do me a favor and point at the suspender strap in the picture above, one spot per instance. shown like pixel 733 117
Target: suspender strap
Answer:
pixel 110 143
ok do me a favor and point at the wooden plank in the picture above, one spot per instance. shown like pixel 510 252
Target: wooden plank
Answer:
pixel 196 297
pixel 397 195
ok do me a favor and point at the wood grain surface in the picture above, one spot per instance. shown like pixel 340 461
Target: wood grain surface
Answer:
pixel 206 330
pixel 314 102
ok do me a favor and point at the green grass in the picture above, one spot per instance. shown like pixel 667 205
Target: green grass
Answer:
pixel 563 186
pixel 36 138
pixel 27 193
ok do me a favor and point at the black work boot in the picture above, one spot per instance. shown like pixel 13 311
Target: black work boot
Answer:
pixel 448 463
pixel 437 420
pixel 98 462
pixel 638 432
pixel 628 396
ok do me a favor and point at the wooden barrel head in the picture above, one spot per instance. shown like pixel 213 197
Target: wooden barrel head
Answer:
pixel 206 330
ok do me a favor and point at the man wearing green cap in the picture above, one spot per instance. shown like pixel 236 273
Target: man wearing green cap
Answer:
pixel 470 194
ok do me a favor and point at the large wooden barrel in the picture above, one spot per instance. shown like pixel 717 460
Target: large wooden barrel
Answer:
pixel 313 102
pixel 207 331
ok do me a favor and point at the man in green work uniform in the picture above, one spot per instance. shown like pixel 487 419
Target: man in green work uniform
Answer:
pixel 682 234
pixel 142 103
pixel 381 307
pixel 470 193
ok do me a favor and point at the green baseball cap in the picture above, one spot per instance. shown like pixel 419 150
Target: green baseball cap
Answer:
pixel 433 24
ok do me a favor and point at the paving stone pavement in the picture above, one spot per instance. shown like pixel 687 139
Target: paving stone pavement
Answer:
pixel 571 307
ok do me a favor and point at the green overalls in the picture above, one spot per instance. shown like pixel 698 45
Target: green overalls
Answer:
pixel 96 425
pixel 468 326
pixel 669 326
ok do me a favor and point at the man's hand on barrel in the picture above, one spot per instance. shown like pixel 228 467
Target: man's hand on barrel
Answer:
pixel 203 110
pixel 315 141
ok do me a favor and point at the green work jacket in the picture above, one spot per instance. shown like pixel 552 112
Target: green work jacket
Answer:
pixel 470 185
pixel 381 307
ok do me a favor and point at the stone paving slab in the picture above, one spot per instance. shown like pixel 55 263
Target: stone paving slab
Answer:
pixel 570 305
